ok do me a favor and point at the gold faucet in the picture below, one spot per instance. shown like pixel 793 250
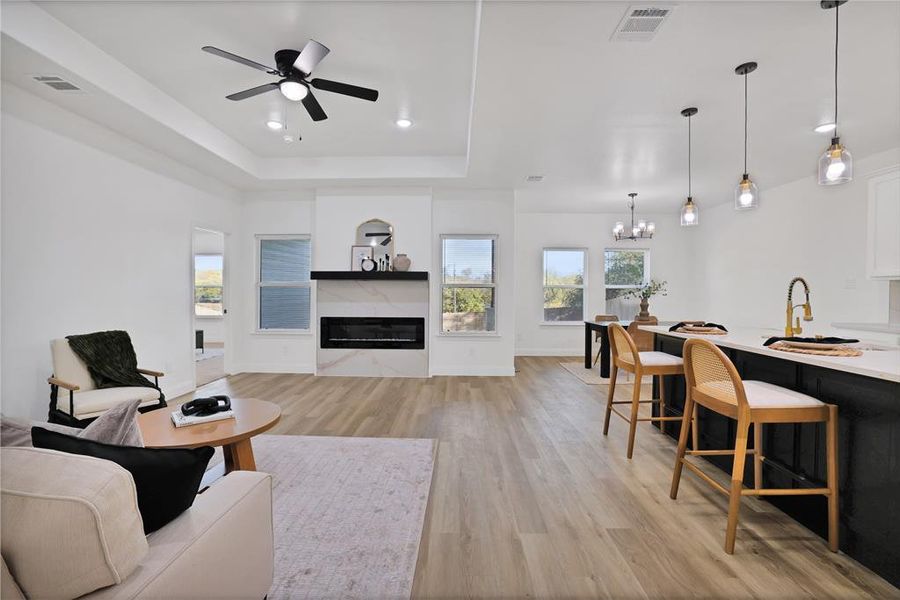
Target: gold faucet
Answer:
pixel 789 328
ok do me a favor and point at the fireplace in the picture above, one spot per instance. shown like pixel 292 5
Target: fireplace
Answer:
pixel 389 333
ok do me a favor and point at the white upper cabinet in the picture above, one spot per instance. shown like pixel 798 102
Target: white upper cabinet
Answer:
pixel 883 239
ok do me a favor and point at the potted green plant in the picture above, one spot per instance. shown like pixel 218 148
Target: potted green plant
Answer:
pixel 654 287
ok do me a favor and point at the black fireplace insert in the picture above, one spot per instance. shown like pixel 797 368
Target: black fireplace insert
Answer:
pixel 389 333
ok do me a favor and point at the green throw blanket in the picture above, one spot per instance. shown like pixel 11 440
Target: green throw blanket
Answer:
pixel 110 359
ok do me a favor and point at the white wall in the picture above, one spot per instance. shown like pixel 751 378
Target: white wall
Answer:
pixel 339 212
pixel 670 258
pixel 92 242
pixel 210 242
pixel 800 228
pixel 476 212
pixel 264 352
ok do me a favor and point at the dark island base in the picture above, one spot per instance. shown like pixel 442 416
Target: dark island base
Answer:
pixel 868 451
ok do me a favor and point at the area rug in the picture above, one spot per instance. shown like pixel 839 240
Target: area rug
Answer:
pixel 592 376
pixel 348 513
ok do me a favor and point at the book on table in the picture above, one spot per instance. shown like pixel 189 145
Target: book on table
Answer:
pixel 179 419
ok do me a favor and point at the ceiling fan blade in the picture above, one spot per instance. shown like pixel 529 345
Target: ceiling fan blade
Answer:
pixel 311 55
pixel 346 89
pixel 387 240
pixel 239 59
pixel 313 107
pixel 260 89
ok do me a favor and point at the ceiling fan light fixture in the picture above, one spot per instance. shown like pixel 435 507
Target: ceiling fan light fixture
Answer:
pixel 293 90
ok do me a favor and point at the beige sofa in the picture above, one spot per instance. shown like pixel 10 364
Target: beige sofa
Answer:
pixel 71 528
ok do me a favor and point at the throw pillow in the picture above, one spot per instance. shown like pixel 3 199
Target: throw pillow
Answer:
pixel 117 426
pixel 166 479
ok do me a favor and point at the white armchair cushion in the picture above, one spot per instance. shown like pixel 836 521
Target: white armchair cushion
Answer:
pixel 70 523
pixel 94 402
pixel 68 367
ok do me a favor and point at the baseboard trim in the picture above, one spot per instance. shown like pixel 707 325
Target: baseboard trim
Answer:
pixel 470 371
pixel 293 368
pixel 178 389
pixel 550 352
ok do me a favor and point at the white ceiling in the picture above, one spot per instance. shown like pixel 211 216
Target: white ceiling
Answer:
pixel 552 94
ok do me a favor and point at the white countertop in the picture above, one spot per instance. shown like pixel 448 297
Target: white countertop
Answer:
pixel 882 363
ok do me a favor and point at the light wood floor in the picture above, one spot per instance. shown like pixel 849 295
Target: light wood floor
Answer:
pixel 530 500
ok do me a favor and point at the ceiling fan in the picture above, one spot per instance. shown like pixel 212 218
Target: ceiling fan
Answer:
pixel 294 69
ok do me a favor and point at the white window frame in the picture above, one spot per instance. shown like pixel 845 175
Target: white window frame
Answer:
pixel 194 270
pixel 300 284
pixel 494 285
pixel 646 280
pixel 583 287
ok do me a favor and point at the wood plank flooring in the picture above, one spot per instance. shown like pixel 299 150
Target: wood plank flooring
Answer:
pixel 529 499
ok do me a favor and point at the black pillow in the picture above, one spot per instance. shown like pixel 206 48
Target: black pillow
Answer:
pixel 167 479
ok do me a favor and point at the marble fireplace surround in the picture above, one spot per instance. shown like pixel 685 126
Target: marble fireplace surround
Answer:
pixel 371 298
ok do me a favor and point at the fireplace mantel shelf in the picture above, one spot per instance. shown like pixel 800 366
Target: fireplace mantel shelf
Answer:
pixel 371 275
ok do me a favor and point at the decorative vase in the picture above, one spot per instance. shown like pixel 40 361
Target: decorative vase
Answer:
pixel 645 310
pixel 402 262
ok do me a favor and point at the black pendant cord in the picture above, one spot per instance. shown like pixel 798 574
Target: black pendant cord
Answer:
pixel 837 22
pixel 745 122
pixel 689 156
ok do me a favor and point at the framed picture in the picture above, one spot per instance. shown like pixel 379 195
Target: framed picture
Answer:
pixel 357 254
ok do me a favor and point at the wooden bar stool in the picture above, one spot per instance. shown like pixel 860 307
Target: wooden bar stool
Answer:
pixel 625 356
pixel 713 382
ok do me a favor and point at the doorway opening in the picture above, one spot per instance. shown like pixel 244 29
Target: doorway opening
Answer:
pixel 209 312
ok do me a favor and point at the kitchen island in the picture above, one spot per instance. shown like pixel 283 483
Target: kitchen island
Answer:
pixel 866 390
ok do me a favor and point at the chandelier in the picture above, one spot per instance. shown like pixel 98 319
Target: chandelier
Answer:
pixel 641 230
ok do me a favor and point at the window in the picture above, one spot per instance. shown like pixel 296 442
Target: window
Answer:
pixel 624 270
pixel 208 285
pixel 468 283
pixel 564 281
pixel 283 283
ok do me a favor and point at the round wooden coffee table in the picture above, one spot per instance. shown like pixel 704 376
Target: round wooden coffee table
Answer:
pixel 252 417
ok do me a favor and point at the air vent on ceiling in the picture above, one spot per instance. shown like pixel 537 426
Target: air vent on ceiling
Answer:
pixel 534 178
pixel 57 83
pixel 641 22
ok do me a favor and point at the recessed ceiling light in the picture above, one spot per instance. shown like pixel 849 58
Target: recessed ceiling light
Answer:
pixel 534 178
pixel 825 127
pixel 288 139
pixel 274 125
pixel 404 123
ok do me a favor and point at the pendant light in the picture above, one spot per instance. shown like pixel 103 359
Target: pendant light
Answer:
pixel 836 164
pixel 690 214
pixel 746 195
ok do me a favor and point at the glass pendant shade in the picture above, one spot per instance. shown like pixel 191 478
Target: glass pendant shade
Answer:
pixel 746 195
pixel 835 165
pixel 690 214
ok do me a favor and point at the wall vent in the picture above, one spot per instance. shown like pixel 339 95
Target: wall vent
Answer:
pixel 57 83
pixel 640 23
pixel 534 178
